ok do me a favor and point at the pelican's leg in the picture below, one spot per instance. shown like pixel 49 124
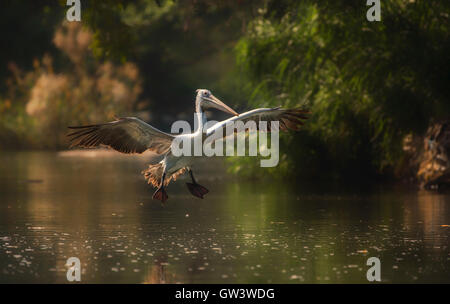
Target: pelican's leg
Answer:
pixel 196 189
pixel 161 194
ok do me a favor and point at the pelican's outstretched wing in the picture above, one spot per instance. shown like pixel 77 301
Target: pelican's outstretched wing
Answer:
pixel 126 135
pixel 289 119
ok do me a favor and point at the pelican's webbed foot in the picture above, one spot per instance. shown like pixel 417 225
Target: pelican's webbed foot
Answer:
pixel 161 195
pixel 197 190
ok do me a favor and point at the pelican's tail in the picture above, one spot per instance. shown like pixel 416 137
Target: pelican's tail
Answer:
pixel 154 174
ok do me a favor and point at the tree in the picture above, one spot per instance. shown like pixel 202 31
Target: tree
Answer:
pixel 368 84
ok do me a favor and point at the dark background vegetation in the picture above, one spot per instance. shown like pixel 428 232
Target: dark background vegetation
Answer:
pixel 369 85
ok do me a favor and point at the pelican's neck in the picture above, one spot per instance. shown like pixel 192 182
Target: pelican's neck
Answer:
pixel 200 118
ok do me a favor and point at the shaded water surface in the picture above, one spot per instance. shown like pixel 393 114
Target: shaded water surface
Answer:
pixel 97 207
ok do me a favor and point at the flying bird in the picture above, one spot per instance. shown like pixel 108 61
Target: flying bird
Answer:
pixel 132 135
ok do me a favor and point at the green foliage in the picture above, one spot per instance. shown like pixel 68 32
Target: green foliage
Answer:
pixel 41 103
pixel 178 46
pixel 181 45
pixel 112 37
pixel 367 84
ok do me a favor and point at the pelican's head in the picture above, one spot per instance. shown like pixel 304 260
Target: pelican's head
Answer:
pixel 208 100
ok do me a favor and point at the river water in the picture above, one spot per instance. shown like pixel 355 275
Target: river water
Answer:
pixel 97 207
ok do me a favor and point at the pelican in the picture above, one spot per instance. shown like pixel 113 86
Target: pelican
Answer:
pixel 132 135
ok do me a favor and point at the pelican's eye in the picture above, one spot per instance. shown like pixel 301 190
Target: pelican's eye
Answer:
pixel 205 93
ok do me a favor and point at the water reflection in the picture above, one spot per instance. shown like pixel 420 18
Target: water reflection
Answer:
pixel 54 206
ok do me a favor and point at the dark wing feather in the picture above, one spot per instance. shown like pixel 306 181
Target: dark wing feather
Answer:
pixel 126 135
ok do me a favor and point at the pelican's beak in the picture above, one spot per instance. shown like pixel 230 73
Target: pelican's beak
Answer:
pixel 218 104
